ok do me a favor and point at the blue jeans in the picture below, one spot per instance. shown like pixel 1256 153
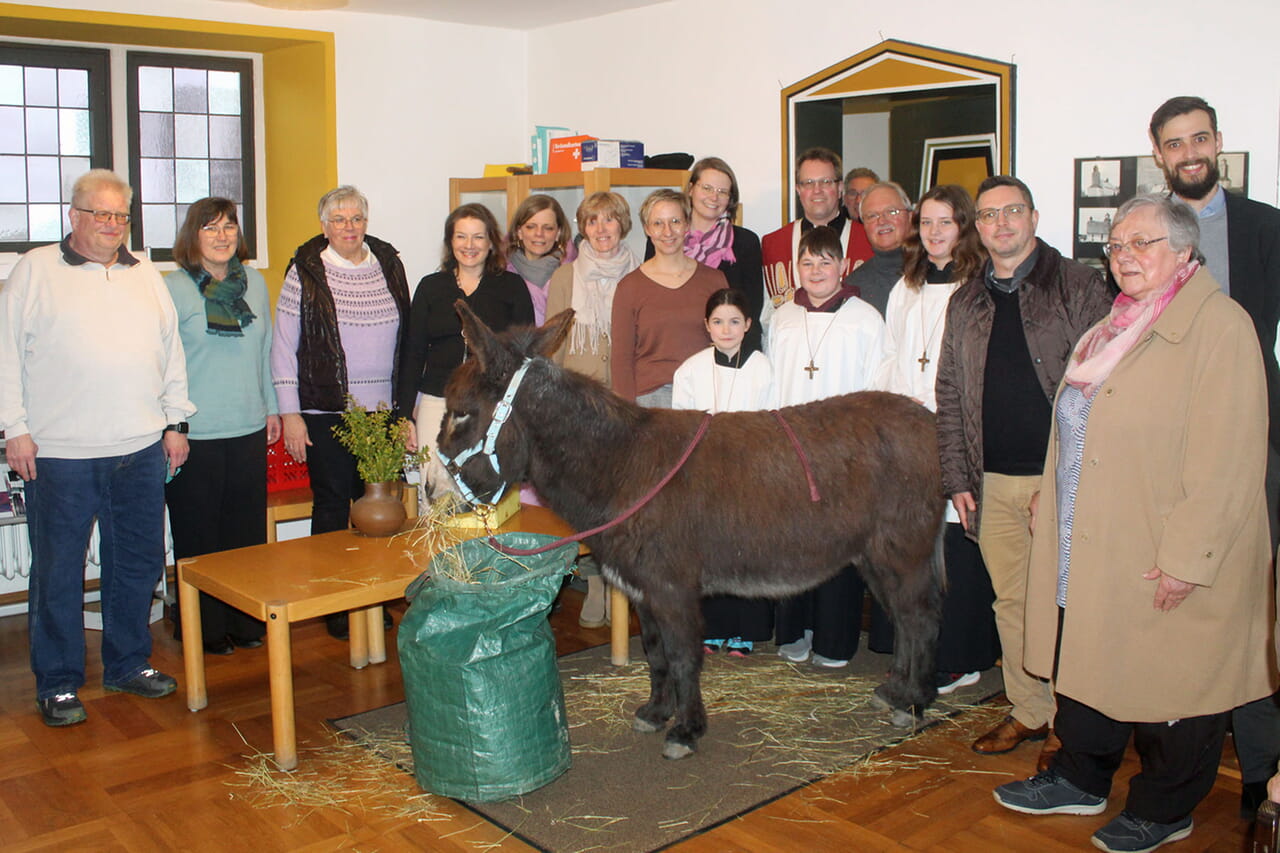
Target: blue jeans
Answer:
pixel 126 494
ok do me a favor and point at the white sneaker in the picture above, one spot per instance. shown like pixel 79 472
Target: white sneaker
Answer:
pixel 829 663
pixel 797 652
pixel 950 682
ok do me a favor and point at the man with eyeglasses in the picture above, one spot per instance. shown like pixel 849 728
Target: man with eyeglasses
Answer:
pixel 885 212
pixel 93 403
pixel 1240 239
pixel 821 192
pixel 858 181
pixel 1008 334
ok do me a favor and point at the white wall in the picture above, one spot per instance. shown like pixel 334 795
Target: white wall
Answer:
pixel 704 76
pixel 418 102
pixel 866 142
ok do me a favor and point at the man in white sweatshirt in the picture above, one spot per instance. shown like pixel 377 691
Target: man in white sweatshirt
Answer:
pixel 93 403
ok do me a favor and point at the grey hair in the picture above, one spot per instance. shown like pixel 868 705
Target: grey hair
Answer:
pixel 886 185
pixel 342 196
pixel 96 179
pixel 1178 217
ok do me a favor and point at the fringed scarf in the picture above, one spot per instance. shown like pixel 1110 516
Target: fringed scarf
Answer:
pixel 595 280
pixel 1100 350
pixel 225 310
pixel 713 246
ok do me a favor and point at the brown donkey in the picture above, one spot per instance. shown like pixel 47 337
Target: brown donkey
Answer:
pixel 739 517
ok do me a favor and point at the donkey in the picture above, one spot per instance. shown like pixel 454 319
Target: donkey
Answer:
pixel 740 517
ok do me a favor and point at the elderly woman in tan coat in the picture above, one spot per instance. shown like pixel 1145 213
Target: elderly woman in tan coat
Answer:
pixel 1148 591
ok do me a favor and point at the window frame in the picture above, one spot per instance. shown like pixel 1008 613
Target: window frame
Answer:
pixel 97 63
pixel 248 148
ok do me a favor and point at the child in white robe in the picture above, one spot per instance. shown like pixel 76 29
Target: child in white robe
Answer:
pixel 827 342
pixel 726 377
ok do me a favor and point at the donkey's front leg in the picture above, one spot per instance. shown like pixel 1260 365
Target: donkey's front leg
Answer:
pixel 653 714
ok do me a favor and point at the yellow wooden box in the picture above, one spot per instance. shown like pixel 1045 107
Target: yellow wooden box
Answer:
pixel 488 516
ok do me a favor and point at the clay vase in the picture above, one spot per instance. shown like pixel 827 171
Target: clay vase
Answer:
pixel 380 511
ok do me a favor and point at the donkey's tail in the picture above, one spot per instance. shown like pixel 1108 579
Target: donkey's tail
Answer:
pixel 938 560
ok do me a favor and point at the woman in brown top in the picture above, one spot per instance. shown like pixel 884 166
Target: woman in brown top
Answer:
pixel 657 310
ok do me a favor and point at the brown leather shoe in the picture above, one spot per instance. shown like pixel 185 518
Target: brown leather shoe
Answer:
pixel 1051 746
pixel 1006 737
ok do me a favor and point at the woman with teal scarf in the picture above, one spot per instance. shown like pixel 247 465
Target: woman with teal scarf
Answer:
pixel 219 500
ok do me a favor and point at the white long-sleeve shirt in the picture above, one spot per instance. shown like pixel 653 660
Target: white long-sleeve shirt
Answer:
pixel 91 363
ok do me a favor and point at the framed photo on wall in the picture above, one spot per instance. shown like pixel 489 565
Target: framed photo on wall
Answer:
pixel 1102 184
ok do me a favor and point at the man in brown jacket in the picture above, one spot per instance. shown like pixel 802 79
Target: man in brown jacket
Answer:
pixel 1008 335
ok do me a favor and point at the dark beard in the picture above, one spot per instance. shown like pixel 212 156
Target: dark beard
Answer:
pixel 1194 190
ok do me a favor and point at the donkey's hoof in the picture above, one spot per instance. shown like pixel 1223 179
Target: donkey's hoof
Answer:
pixel 675 751
pixel 880 701
pixel 644 726
pixel 901 719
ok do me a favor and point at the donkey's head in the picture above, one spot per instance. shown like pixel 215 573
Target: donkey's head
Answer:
pixel 481 448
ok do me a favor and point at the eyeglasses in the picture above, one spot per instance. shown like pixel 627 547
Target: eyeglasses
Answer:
pixel 102 217
pixel 817 184
pixel 1137 247
pixel 343 222
pixel 224 228
pixel 989 215
pixel 891 213
pixel 707 188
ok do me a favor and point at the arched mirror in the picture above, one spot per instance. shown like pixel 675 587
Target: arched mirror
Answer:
pixel 914 114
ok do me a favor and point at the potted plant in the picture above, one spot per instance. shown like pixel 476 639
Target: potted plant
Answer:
pixel 379 445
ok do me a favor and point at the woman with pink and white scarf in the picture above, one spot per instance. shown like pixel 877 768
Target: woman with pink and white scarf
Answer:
pixel 1149 581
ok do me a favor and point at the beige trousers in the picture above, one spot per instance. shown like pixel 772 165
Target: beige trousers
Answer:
pixel 1005 541
pixel 435 479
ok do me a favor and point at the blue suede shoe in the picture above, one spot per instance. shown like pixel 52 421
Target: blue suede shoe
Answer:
pixel 1130 834
pixel 1048 793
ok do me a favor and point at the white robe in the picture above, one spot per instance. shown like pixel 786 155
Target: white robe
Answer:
pixel 700 383
pixel 914 322
pixel 846 347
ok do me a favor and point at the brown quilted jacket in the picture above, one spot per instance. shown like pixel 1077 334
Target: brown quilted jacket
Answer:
pixel 1059 300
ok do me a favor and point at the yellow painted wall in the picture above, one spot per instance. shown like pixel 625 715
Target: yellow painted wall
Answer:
pixel 299 100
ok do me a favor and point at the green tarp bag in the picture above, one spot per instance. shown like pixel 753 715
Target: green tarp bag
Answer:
pixel 486 709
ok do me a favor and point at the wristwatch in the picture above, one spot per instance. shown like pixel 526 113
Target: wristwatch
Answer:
pixel 181 427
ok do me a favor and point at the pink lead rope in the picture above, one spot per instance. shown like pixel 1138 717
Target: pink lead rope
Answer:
pixel 814 495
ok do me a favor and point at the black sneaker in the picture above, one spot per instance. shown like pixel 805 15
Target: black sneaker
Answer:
pixel 150 684
pixel 63 709
pixel 1130 834
pixel 1048 793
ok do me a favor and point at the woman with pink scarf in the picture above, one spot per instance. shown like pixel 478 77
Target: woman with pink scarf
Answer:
pixel 1148 587
pixel 714 240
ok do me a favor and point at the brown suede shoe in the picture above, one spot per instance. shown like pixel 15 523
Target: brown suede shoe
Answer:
pixel 1051 746
pixel 1006 737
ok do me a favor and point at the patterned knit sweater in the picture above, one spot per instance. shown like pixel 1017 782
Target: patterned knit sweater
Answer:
pixel 368 324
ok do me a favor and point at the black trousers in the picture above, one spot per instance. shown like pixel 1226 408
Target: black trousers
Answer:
pixel 219 502
pixel 967 638
pixel 833 611
pixel 1257 724
pixel 1179 760
pixel 335 483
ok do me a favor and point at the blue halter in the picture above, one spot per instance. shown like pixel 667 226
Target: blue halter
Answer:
pixel 487 445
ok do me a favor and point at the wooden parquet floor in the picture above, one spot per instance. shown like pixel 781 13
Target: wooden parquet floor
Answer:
pixel 148 775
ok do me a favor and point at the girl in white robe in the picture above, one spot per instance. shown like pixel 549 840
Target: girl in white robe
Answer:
pixel 722 378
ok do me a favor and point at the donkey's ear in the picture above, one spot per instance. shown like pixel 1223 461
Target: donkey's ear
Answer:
pixel 481 341
pixel 551 334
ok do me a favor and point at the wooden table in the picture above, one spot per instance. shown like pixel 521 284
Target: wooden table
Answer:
pixel 284 582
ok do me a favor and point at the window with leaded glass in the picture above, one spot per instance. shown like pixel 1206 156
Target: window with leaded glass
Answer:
pixel 55 120
pixel 190 136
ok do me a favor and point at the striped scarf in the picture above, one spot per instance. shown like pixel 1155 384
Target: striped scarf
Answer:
pixel 713 246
